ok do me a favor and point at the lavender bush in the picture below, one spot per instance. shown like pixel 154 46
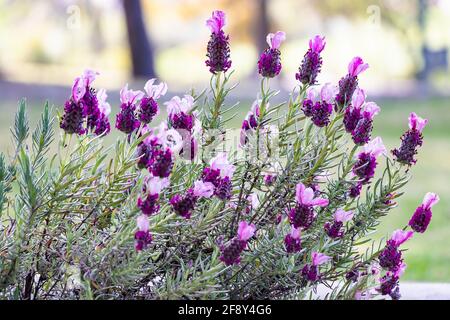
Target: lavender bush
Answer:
pixel 190 210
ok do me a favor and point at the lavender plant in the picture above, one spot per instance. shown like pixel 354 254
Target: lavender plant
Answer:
pixel 179 211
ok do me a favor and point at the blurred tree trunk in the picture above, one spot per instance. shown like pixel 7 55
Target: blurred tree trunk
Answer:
pixel 140 47
pixel 262 24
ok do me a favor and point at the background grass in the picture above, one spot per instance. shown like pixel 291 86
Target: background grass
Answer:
pixel 428 257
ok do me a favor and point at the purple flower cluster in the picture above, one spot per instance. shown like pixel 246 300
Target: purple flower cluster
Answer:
pixel 358 118
pixel 335 229
pixel 251 122
pixel 292 241
pixel 137 107
pixel 348 84
pixel 184 120
pixel 149 206
pixel 391 260
pixel 422 216
pixel 219 173
pixel 303 214
pixel 364 168
pixel 269 63
pixel 231 252
pixel 85 106
pixel 312 62
pixel 218 50
pixel 411 140
pixel 310 272
pixel 319 106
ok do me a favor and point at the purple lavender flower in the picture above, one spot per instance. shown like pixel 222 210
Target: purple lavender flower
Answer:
pixel 142 236
pixel 348 84
pixel 292 241
pixel 363 130
pixel 218 50
pixel 321 113
pixel 353 112
pixel 219 173
pixel 181 121
pixel 391 256
pixel 183 205
pixel 364 168
pixel 351 118
pixel 389 286
pixel 307 107
pixel 303 214
pixel 334 229
pixel 312 62
pixel 311 272
pixel 355 190
pixel 148 107
pixel 75 109
pixel 149 205
pixel 102 125
pixel 422 216
pixel 411 140
pixel 223 189
pixel 232 252
pixel 161 163
pixel 126 120
pixel 269 64
pixel 142 240
pixel 73 118
pixel 319 107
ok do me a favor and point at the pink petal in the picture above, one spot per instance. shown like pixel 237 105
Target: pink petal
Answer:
pixel 89 76
pixel 343 216
pixel 295 232
pixel 319 202
pixel 245 230
pixel 254 200
pixel 142 222
pixel 307 196
pixel 358 98
pixel 299 192
pixel 220 162
pixel 312 94
pixel 274 39
pixel 78 89
pixel 401 270
pixel 399 236
pixel 203 189
pixel 129 96
pixel 371 109
pixel 375 147
pixel 319 258
pixel 155 91
pixel 217 21
pixel 430 200
pixel 328 92
pixel 155 185
pixel 416 122
pixel 356 66
pixel 317 44
pixel 104 106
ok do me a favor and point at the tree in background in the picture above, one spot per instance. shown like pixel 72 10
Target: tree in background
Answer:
pixel 262 24
pixel 140 47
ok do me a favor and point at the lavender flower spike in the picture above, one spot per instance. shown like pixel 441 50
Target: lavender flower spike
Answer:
pixel 269 64
pixel 218 50
pixel 422 216
pixel 312 62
